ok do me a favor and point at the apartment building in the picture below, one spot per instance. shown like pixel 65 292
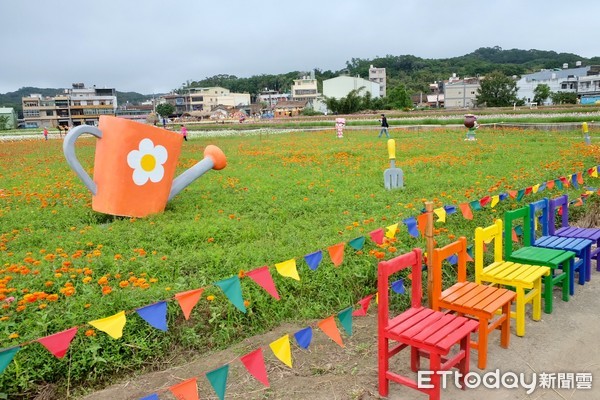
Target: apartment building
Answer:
pixel 76 106
pixel 378 76
pixel 205 99
pixel 461 93
pixel 558 80
pixel 305 89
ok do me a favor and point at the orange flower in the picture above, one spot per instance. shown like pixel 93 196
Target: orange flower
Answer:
pixel 106 290
pixel 87 279
pixel 246 303
pixel 42 306
pixel 210 297
pixel 241 274
pixel 123 284
pixel 13 336
pixel 210 240
pixel 118 256
pixel 87 305
pixel 103 281
pixel 90 332
pixel 52 297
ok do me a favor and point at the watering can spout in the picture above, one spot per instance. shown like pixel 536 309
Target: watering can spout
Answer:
pixel 214 158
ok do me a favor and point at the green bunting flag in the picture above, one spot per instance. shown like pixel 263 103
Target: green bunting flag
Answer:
pixel 218 380
pixel 345 317
pixel 233 290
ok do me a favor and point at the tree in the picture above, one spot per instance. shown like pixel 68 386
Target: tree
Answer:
pixel 564 97
pixel 165 109
pixel 497 90
pixel 3 122
pixel 541 93
pixel 399 98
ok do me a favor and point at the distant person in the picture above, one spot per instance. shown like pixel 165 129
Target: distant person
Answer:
pixel 184 132
pixel 45 133
pixel 384 126
pixel 164 123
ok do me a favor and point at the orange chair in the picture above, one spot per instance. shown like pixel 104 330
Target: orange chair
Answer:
pixel 472 299
pixel 432 333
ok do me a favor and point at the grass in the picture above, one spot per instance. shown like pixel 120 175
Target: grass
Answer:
pixel 282 196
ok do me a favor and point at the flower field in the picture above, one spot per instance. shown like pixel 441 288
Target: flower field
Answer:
pixel 281 197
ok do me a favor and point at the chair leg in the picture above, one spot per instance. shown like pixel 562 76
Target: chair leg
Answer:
pixel 482 343
pixel 384 383
pixel 520 311
pixel 537 300
pixel 415 359
pixel 505 327
pixel 548 286
pixel 567 267
pixel 435 365
pixel 463 365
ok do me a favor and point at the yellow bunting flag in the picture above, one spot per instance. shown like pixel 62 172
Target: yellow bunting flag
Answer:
pixel 390 231
pixel 288 269
pixel 441 214
pixel 112 325
pixel 281 349
pixel 535 188
pixel 594 172
pixel 495 200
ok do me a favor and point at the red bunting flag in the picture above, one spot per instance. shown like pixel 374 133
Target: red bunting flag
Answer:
pixel 422 223
pixel 466 210
pixel 564 180
pixel 484 201
pixel 364 306
pixel 255 364
pixel 58 343
pixel 186 390
pixel 263 277
pixel 188 300
pixel 329 327
pixel 336 252
pixel 528 190
pixel 377 236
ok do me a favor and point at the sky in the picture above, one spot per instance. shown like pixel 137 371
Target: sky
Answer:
pixel 154 46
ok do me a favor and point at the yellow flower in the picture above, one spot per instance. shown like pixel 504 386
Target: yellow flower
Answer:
pixel 210 297
pixel 13 336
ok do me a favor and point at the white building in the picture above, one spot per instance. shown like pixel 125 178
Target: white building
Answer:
pixel 272 97
pixel 559 80
pixel 377 75
pixel 340 86
pixel 305 89
pixel 460 93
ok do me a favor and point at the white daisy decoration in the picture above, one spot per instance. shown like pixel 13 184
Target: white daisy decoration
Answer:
pixel 147 162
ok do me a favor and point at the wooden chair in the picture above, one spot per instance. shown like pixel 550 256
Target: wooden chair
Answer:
pixel 562 203
pixel 560 262
pixel 472 299
pixel 427 332
pixel 581 247
pixel 526 279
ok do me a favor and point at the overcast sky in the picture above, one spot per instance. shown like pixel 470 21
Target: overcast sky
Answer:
pixel 154 46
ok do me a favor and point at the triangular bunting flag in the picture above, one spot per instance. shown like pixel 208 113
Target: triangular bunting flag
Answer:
pixel 6 356
pixel 450 209
pixel 255 364
pixel 263 277
pixel 336 253
pixel 414 226
pixel 453 259
pixel 535 188
pixel 564 181
pixel 466 210
pixel 345 317
pixel 281 349
pixel 574 181
pixel 112 325
pixel 152 396
pixel 390 231
pixel 503 196
pixel 59 343
pixel 528 190
pixel 484 201
pixel 288 269
pixel 520 194
pixel 550 185
pixel 441 214
pixel 580 178
pixel 304 337
pixel 519 230
pixel 512 193
pixel 594 172
pixel 578 202
pixel 314 259
pixel 495 200
pixel 542 187
pixel 188 300
pixel 377 235
pixel 398 286
pixel 218 380
pixel 357 243
pixel 475 205
pixel 329 327
pixel 233 290
pixel 155 314
pixel 186 390
pixel 470 252
pixel 364 306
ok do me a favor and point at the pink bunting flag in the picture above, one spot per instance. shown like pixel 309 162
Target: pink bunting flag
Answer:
pixel 186 390
pixel 262 276
pixel 513 193
pixel 336 252
pixel 188 300
pixel 364 306
pixel 255 364
pixel 59 343
pixel 377 235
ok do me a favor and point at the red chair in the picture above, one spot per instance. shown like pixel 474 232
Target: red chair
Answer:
pixel 428 333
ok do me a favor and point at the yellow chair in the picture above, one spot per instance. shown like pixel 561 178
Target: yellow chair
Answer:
pixel 525 279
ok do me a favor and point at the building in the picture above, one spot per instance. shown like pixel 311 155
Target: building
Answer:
pixel 377 75
pixel 289 108
pixel 205 99
pixel 305 89
pixel 10 116
pixel 272 97
pixel 341 86
pixel 460 93
pixel 76 106
pixel 559 80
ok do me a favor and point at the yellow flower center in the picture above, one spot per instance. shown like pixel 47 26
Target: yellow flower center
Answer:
pixel 148 162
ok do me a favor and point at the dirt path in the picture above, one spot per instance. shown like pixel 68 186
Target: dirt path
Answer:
pixel 565 341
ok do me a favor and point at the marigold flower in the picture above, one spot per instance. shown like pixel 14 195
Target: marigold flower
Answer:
pixel 246 303
pixel 90 332
pixel 5 318
pixel 52 297
pixel 57 275
pixel 210 297
pixel 123 284
pixel 21 308
pixel 106 290
pixel 13 336
pixel 103 281
pixel 87 305
pixel 87 279
pixel 241 274
pixel 42 306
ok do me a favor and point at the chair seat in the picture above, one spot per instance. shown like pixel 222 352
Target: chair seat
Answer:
pixel 574 244
pixel 540 255
pixel 573 231
pixel 512 274
pixel 475 299
pixel 432 331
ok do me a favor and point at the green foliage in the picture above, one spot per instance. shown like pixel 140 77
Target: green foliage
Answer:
pixel 3 122
pixel 497 90
pixel 398 98
pixel 564 97
pixel 541 93
pixel 165 109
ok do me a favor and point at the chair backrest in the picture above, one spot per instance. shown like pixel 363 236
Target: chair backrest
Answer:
pixel 540 205
pixel 439 255
pixel 510 218
pixel 562 203
pixel 486 235
pixel 387 268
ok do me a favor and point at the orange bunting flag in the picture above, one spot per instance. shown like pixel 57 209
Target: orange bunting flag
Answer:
pixel 112 325
pixel 515 238
pixel 578 202
pixel 263 277
pixel 512 193
pixel 58 344
pixel 441 214
pixel 282 350
pixel 422 223
pixel 329 327
pixel 336 252
pixel 550 184
pixel 186 390
pixel 377 236
pixel 390 231
pixel 288 269
pixel 188 300
pixel 364 306
pixel 466 210
pixel 255 364
pixel 580 178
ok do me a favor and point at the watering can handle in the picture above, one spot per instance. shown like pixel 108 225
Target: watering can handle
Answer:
pixel 69 151
pixel 391 144
pixel 214 158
